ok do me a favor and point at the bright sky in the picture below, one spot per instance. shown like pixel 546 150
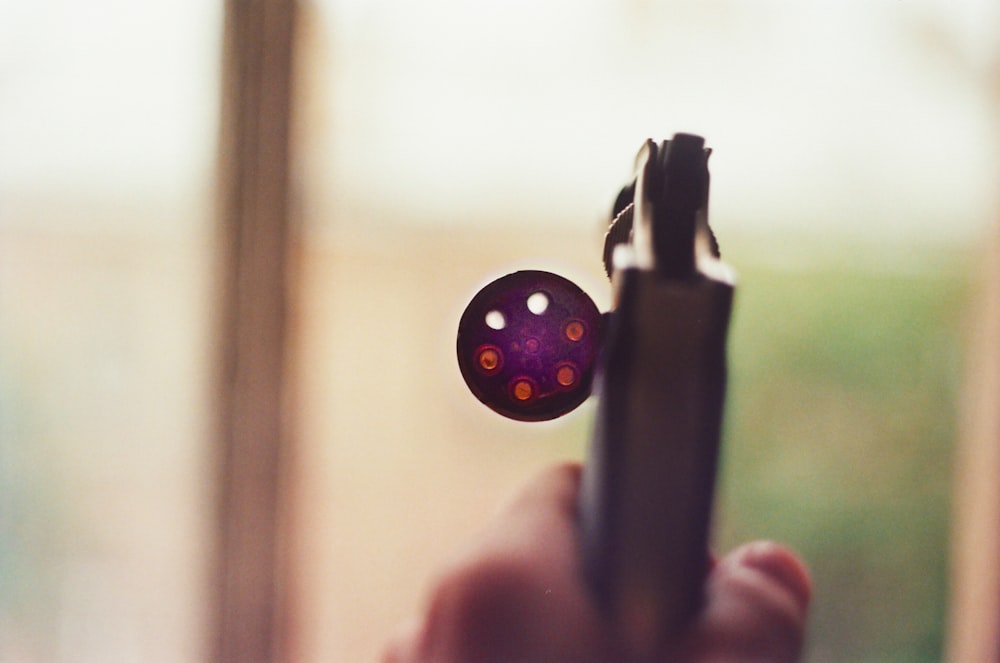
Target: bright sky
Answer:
pixel 845 115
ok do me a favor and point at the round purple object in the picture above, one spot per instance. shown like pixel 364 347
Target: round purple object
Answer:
pixel 528 343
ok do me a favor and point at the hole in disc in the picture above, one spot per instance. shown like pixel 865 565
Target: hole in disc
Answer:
pixel 489 359
pixel 574 330
pixel 522 390
pixel 538 303
pixel 566 375
pixel 495 320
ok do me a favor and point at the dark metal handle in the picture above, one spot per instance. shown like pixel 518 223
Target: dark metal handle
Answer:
pixel 648 485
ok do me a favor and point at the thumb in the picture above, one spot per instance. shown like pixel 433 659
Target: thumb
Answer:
pixel 756 603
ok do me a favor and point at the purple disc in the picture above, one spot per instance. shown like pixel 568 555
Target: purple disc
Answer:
pixel 528 343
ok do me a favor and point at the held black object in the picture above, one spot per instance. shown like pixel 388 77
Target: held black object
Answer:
pixel 531 343
pixel 646 498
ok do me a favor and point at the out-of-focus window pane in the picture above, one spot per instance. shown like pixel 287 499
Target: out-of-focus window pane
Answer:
pixel 107 128
pixel 824 115
pixel 854 170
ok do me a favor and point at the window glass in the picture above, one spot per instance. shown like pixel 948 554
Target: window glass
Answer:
pixel 107 130
pixel 448 143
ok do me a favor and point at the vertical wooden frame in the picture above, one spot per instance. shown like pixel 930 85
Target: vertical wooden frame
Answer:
pixel 253 442
pixel 974 615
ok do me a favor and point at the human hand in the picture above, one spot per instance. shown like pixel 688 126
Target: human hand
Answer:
pixel 517 596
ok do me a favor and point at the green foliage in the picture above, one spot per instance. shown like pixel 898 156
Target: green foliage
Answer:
pixel 840 425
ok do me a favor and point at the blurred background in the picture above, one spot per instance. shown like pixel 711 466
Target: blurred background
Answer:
pixel 439 145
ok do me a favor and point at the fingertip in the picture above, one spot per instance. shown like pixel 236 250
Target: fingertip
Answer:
pixel 756 606
pixel 553 490
pixel 780 564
